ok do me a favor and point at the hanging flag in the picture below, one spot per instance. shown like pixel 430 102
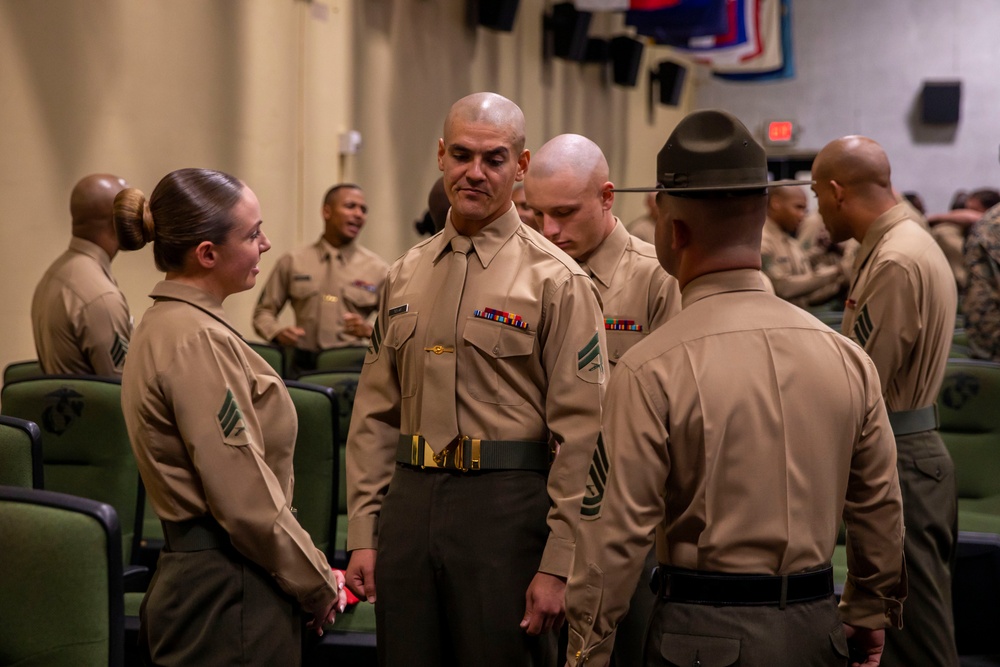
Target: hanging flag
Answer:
pixel 690 18
pixel 785 69
pixel 739 43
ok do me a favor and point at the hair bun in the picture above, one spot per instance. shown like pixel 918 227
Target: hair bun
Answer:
pixel 133 220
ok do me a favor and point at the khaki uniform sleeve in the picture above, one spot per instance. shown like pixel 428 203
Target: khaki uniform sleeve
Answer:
pixel 105 330
pixel 620 516
pixel 876 578
pixel 887 320
pixel 272 300
pixel 371 444
pixel 574 355
pixel 665 299
pixel 240 489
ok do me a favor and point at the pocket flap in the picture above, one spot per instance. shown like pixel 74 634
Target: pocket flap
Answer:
pixel 401 328
pixel 708 651
pixel 935 467
pixel 498 340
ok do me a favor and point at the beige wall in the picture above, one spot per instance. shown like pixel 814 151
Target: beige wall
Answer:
pixel 263 89
pixel 414 58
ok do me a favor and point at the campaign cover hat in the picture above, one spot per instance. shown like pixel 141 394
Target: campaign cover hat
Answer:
pixel 711 152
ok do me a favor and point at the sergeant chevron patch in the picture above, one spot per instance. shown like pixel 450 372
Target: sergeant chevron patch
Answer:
pixel 119 348
pixel 231 418
pixel 597 480
pixel 863 326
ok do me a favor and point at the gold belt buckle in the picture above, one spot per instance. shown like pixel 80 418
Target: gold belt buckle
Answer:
pixel 475 454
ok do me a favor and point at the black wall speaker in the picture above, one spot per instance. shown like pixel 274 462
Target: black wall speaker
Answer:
pixel 497 14
pixel 626 55
pixel 940 101
pixel 569 31
pixel 670 76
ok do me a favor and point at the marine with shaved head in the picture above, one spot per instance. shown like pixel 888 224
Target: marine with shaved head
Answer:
pixel 569 190
pixel 901 308
pixel 79 317
pixel 475 415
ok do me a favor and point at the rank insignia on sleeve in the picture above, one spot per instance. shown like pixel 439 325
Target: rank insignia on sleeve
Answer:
pixel 597 480
pixel 231 421
pixel 590 361
pixel 863 326
pixel 376 339
pixel 119 348
pixel 501 317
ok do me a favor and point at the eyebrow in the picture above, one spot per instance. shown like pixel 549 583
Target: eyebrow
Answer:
pixel 500 150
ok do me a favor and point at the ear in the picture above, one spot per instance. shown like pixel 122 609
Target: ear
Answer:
pixel 838 191
pixel 607 195
pixel 327 212
pixel 441 154
pixel 681 236
pixel 206 255
pixel 522 165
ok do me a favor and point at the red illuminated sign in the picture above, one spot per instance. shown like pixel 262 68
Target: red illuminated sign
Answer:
pixel 779 131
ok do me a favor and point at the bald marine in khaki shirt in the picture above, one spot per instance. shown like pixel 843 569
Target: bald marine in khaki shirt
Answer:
pixel 901 308
pixel 741 432
pixel 79 317
pixel 568 188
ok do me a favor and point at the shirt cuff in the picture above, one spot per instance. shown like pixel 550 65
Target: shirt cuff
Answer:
pixel 557 559
pixel 362 532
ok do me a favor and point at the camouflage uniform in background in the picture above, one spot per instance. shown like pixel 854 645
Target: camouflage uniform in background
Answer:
pixel 981 299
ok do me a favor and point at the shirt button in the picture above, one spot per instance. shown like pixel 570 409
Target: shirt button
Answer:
pixel 590 619
pixel 496 350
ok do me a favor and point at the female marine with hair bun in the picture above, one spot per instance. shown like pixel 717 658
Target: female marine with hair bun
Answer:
pixel 213 431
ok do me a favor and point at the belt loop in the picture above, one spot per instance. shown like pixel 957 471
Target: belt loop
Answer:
pixel 475 458
pixel 783 600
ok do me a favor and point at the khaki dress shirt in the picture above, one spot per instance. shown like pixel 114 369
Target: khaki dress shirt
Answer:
pixel 716 441
pixel 543 382
pixel 787 265
pixel 638 295
pixel 901 308
pixel 79 317
pixel 213 430
pixel 323 283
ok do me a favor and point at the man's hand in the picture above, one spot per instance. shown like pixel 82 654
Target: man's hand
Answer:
pixel 328 614
pixel 289 336
pixel 545 608
pixel 356 325
pixel 866 644
pixel 361 574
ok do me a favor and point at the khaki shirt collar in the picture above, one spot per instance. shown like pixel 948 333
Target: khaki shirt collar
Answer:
pixel 882 224
pixel 93 251
pixel 604 261
pixel 326 251
pixel 175 291
pixel 774 228
pixel 710 284
pixel 487 242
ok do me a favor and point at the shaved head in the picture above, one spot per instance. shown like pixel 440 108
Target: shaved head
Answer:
pixel 90 206
pixel 488 109
pixel 854 161
pixel 571 153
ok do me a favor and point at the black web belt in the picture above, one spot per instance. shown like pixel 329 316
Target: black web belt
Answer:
pixel 465 454
pixel 716 588
pixel 905 422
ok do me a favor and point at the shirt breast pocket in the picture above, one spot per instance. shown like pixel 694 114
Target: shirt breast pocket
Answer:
pixel 302 290
pixel 619 342
pixel 397 335
pixel 499 362
pixel 360 298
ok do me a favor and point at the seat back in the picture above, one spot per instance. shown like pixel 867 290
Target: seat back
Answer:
pixel 85 446
pixel 976 593
pixel 316 462
pixel 20 453
pixel 272 354
pixel 970 425
pixel 61 560
pixel 341 359
pixel 345 386
pixel 20 370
